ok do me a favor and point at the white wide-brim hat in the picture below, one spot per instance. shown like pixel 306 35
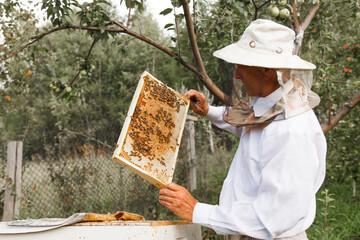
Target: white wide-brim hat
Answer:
pixel 265 43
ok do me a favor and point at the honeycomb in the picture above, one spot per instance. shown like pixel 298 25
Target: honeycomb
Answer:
pixel 154 132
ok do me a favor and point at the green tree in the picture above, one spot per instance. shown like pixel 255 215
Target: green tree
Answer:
pixel 47 102
pixel 231 18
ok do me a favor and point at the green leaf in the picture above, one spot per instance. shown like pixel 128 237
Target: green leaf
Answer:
pixel 89 17
pixel 166 11
pixel 185 58
pixel 128 3
pixel 140 7
pixel 173 49
pixel 124 49
pixel 176 3
pixel 168 25
pixel 239 6
pixel 84 6
pixel 179 16
pixel 102 28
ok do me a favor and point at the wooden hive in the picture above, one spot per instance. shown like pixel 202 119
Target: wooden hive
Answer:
pixel 150 138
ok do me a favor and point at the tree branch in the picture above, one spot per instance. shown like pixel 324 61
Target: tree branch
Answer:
pixel 262 5
pixel 20 50
pixel 85 63
pixel 257 8
pixel 76 27
pixel 300 29
pixel 310 14
pixel 194 10
pixel 177 33
pixel 212 26
pixel 192 38
pixel 349 105
pixel 123 30
pixel 296 20
pixel 201 73
pixel 37 38
pixel 159 46
pixel 128 21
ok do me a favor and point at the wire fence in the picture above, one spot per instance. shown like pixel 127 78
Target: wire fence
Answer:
pixel 82 177
pixel 59 187
pixel 77 176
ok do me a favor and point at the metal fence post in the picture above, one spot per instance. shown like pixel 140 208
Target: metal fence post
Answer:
pixel 13 180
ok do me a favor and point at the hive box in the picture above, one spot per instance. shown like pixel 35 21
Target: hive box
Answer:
pixel 150 138
pixel 118 230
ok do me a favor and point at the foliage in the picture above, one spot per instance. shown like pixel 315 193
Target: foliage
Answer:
pixel 343 164
pixel 337 76
pixel 54 109
pixel 94 15
pixel 42 104
pixel 343 214
pixel 58 11
pixel 327 202
pixel 334 45
pixel 134 3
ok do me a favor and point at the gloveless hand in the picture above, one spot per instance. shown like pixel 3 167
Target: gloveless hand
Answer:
pixel 199 99
pixel 178 200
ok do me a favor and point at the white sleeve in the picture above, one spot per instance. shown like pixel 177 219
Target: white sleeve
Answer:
pixel 288 183
pixel 216 116
pixel 239 218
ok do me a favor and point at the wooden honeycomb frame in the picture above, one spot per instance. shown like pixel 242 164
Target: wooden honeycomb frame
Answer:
pixel 150 138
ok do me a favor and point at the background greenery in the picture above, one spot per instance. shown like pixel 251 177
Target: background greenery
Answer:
pixel 67 133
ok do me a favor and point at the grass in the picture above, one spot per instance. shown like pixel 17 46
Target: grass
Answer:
pixel 343 215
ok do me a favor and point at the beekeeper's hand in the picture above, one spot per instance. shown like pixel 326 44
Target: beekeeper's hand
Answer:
pixel 178 200
pixel 201 107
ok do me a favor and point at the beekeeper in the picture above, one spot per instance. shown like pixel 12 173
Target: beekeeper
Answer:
pixel 269 192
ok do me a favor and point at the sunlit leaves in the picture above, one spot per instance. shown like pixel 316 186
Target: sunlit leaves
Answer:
pixel 13 34
pixel 7 6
